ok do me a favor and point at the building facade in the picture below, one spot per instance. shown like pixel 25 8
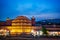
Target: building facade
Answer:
pixel 23 24
pixel 20 24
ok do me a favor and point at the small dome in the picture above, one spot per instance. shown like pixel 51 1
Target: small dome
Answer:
pixel 8 18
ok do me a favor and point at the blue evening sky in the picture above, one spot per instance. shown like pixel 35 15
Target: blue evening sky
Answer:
pixel 41 9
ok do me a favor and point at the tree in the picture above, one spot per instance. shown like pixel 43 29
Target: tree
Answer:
pixel 44 30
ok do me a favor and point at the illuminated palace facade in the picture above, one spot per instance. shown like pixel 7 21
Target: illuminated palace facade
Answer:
pixel 22 24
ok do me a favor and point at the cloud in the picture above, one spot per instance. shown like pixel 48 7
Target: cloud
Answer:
pixel 23 7
pixel 37 8
pixel 45 16
pixel 33 8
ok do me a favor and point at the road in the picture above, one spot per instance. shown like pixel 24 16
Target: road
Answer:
pixel 38 38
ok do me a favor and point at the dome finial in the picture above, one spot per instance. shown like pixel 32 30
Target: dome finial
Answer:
pixel 8 18
pixel 33 17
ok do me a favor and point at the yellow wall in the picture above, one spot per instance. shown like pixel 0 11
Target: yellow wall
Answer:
pixel 19 29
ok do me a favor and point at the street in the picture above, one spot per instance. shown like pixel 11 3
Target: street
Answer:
pixel 38 38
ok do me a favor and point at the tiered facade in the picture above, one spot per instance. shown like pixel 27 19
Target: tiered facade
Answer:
pixel 21 24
